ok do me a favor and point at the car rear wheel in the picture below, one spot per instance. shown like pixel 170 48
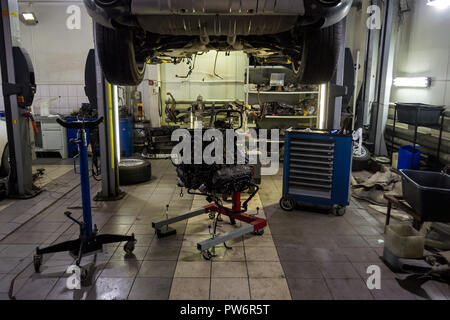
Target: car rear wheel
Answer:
pixel 117 56
pixel 320 54
pixel 4 168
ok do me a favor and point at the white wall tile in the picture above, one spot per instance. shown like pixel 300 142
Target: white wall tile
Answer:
pixel 64 102
pixel 73 102
pixel 80 91
pixel 72 91
pixel 63 91
pixel 53 90
pixel 44 90
pixel 80 101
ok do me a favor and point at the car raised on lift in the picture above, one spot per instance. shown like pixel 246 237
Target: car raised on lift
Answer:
pixel 4 154
pixel 306 34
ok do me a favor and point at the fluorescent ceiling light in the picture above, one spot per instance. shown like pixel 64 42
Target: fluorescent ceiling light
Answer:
pixel 28 18
pixel 417 82
pixel 440 4
pixel 322 105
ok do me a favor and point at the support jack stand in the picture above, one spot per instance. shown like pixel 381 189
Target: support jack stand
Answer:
pixel 254 225
pixel 89 241
pixel 166 231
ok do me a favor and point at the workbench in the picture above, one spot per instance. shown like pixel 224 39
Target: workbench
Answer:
pixel 401 204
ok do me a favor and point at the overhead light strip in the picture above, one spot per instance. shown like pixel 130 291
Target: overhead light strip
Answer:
pixel 440 4
pixel 412 82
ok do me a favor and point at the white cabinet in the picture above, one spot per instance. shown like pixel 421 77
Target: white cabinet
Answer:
pixel 53 137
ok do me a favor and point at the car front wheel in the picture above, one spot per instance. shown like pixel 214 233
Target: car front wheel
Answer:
pixel 116 52
pixel 320 54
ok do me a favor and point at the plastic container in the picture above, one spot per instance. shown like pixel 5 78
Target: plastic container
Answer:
pixel 404 241
pixel 405 154
pixel 44 110
pixel 126 132
pixel 428 193
pixel 419 114
pixel 395 160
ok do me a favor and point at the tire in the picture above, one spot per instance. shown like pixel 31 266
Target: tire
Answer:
pixel 117 56
pixel 134 171
pixel 320 54
pixel 4 169
pixel 287 203
pixel 37 262
pixel 129 247
pixel 360 162
pixel 260 232
pixel 338 211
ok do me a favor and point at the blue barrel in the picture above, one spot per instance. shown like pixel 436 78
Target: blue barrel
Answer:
pixel 126 131
pixel 405 155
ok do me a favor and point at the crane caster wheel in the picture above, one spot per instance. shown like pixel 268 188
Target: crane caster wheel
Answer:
pixel 287 203
pixel 259 232
pixel 129 247
pixel 338 211
pixel 37 261
pixel 207 255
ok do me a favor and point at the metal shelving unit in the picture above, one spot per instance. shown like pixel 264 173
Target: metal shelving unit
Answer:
pixel 313 119
pixel 284 92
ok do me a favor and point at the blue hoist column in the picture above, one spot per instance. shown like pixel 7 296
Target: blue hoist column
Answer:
pixel 85 186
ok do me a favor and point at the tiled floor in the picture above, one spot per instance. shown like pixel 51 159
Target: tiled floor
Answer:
pixel 55 183
pixel 302 254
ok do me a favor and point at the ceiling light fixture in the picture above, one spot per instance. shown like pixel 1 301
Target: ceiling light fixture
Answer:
pixel 29 18
pixel 416 82
pixel 440 4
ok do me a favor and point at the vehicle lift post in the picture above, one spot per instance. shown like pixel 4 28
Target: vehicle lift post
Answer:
pixel 89 241
pixel 254 225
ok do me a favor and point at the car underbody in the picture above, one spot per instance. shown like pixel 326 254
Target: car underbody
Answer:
pixel 152 30
pixel 179 29
pixel 283 44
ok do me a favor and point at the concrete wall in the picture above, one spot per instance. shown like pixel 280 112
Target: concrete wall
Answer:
pixel 58 54
pixel 150 96
pixel 423 49
pixel 203 82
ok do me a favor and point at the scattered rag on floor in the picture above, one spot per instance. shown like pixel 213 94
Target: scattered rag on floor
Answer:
pixel 373 187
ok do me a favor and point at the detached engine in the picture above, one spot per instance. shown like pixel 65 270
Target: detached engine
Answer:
pixel 215 179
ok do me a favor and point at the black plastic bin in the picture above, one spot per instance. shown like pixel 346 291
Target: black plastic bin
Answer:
pixel 428 193
pixel 419 114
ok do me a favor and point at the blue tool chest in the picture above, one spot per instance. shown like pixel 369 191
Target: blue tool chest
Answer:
pixel 317 167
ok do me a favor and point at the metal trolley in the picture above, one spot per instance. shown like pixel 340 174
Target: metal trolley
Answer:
pixel 317 167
